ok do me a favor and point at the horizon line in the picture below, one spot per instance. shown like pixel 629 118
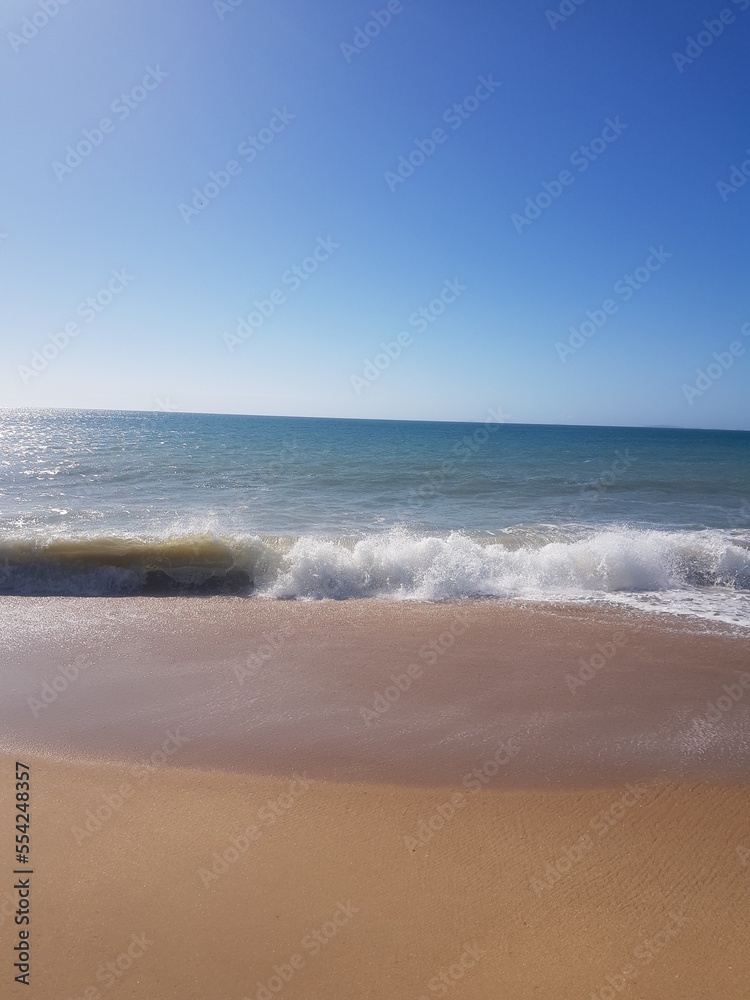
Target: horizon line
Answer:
pixel 403 420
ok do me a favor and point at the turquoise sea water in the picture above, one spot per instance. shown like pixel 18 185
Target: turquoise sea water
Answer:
pixel 108 502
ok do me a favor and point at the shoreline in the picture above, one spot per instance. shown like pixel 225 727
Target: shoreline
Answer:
pixel 214 805
pixel 411 693
pixel 698 573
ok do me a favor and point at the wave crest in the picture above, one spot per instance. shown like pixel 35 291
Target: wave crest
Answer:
pixel 401 564
pixel 533 563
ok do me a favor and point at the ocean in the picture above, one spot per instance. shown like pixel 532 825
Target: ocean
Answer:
pixel 118 503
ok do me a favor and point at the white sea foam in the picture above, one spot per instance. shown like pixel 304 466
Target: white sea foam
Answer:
pixel 613 561
pixel 705 573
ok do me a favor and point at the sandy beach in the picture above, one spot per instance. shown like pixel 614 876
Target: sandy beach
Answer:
pixel 409 692
pixel 246 799
pixel 374 502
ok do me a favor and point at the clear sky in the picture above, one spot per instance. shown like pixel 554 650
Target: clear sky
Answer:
pixel 316 116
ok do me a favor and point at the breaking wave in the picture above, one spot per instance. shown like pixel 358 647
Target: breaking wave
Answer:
pixel 527 562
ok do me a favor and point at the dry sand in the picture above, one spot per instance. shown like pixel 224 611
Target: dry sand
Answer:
pixel 656 886
pixel 445 830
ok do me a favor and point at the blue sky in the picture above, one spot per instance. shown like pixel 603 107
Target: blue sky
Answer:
pixel 316 127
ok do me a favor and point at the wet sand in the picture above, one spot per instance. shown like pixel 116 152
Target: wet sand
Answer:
pixel 376 691
pixel 251 798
